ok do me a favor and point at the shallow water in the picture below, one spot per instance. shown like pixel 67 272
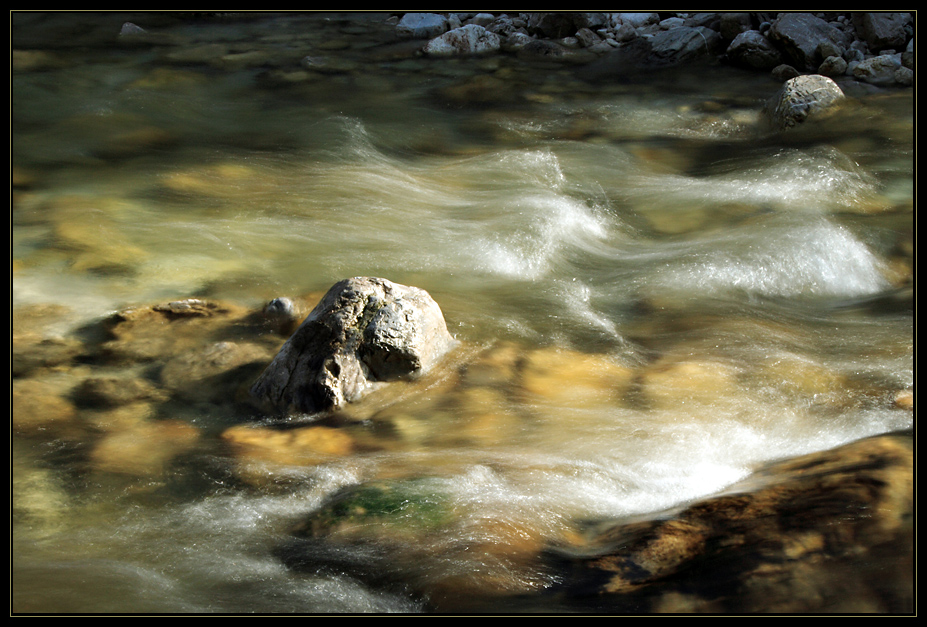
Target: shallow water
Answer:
pixel 749 282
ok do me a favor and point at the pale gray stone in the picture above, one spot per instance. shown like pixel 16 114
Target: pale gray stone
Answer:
pixel 421 25
pixel 466 40
pixel 802 97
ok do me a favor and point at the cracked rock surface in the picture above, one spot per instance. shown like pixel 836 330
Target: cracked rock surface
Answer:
pixel 365 332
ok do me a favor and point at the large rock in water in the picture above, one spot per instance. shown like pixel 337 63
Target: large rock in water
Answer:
pixel 364 332
pixel 825 532
pixel 802 97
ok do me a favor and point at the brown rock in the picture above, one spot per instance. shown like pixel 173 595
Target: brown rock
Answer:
pixel 825 532
pixel 264 454
pixel 149 333
pixel 572 378
pixel 39 405
pixel 144 449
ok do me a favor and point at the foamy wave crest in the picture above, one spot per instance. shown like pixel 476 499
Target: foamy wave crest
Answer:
pixel 816 259
pixel 822 179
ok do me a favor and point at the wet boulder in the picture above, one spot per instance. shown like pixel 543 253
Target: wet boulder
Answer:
pixel 364 332
pixel 825 532
pixel 801 98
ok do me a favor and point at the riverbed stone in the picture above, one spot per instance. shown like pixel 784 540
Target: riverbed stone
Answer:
pixel 879 70
pixel 41 405
pixel 904 399
pixel 365 332
pixel 221 370
pixel 573 379
pixel 803 97
pixel 40 338
pixel 798 35
pixel 144 449
pixel 151 332
pixel 33 352
pixel 110 419
pixel 752 49
pixel 542 50
pixel 882 29
pixel 421 25
pixel 904 76
pixel 675 382
pixel 733 24
pixel 112 391
pixel 284 314
pixel 266 455
pixel 825 532
pixel 638 20
pixel 387 531
pixel 682 44
pixel 833 66
pixel 225 180
pixel 466 40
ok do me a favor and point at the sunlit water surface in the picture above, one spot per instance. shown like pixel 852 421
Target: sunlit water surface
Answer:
pixel 641 221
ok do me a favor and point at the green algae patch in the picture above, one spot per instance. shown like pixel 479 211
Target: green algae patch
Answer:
pixel 381 509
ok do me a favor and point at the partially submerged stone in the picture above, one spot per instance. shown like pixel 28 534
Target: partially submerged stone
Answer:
pixel 802 97
pixel 364 332
pixel 162 331
pixel 825 532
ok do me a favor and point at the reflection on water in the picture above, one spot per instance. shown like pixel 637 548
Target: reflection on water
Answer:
pixel 654 297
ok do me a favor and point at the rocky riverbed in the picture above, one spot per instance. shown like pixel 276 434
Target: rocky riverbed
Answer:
pixel 619 366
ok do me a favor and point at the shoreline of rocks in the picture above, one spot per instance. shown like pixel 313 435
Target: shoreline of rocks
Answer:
pixel 876 48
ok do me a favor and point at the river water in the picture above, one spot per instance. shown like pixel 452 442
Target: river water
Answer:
pixel 757 287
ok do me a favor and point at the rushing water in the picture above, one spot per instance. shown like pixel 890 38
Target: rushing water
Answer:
pixel 636 222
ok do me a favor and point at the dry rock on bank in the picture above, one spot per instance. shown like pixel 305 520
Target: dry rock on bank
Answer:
pixel 365 332
pixel 786 43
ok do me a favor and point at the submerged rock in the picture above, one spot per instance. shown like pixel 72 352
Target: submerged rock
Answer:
pixel 214 372
pixel 264 455
pixel 388 534
pixel 364 332
pixel 103 392
pixel 162 331
pixel 41 405
pixel 144 449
